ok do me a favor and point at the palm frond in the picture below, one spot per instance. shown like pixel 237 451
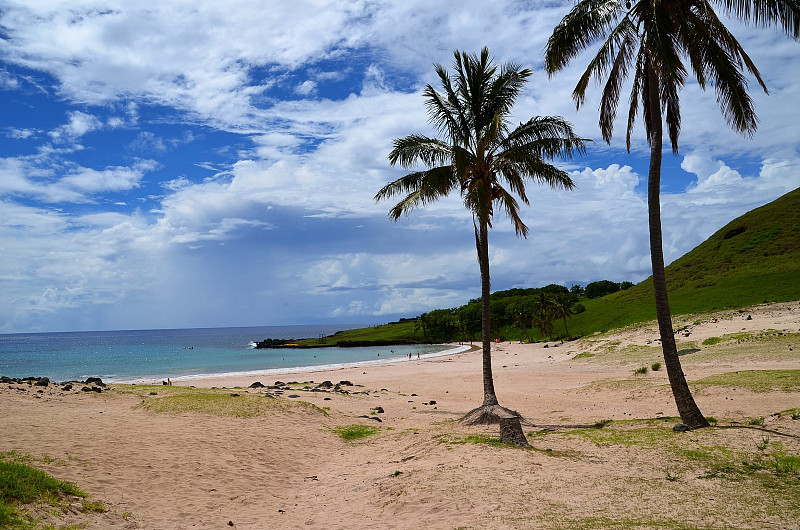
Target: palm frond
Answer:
pixel 671 102
pixel 613 54
pixel 418 148
pixel 543 137
pixel 511 208
pixel 421 188
pixel 766 13
pixel 588 21
pixel 637 92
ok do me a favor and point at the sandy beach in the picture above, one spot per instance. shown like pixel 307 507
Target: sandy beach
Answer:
pixel 159 457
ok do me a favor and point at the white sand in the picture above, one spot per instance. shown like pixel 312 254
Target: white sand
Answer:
pixel 289 470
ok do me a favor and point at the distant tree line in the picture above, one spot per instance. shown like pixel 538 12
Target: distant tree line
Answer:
pixel 544 309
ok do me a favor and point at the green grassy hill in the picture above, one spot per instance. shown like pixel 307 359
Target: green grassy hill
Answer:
pixel 753 259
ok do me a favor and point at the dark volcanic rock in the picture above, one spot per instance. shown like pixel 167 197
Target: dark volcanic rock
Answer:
pixel 257 384
pixel 325 384
pixel 95 380
pixel 67 387
pixel 681 428
pixel 86 389
pixel 43 381
pixel 379 410
pixel 345 383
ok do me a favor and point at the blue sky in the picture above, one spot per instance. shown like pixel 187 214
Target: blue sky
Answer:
pixel 203 164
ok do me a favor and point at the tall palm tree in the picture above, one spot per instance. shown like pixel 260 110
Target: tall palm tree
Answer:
pixel 660 43
pixel 543 314
pixel 422 323
pixel 488 163
pixel 522 313
pixel 563 302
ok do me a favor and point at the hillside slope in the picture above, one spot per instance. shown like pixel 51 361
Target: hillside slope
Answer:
pixel 753 259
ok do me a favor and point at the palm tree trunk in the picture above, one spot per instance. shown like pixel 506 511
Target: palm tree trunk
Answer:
pixel 482 241
pixel 490 412
pixel 687 408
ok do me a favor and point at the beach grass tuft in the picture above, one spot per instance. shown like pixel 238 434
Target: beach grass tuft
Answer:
pixel 355 432
pixel 226 405
pixel 756 380
pixel 22 484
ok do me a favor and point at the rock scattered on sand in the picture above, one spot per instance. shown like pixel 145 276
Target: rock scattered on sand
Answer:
pixel 257 384
pixel 94 380
pixel 378 409
pixel 681 428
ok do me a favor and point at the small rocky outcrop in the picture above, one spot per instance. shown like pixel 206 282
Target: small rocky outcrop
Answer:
pixel 257 384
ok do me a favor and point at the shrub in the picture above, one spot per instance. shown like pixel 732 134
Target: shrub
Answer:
pixel 640 371
pixel 655 367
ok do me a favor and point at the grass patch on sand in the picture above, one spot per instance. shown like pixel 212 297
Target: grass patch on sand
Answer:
pixel 756 380
pixel 591 523
pixel 21 484
pixel 355 432
pixel 227 405
pixel 584 355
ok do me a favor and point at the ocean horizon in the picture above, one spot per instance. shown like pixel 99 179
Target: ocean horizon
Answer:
pixel 139 356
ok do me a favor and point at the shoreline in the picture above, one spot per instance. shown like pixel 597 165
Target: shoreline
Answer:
pixel 236 376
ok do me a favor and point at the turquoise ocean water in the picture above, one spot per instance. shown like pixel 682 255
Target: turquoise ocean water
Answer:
pixel 180 354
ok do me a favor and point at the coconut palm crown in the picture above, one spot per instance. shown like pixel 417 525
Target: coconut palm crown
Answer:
pixel 479 156
pixel 658 44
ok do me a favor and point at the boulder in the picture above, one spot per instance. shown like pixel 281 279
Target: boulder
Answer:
pixel 379 410
pixel 345 383
pixel 257 384
pixel 325 384
pixel 681 428
pixel 43 381
pixel 67 387
pixel 95 380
